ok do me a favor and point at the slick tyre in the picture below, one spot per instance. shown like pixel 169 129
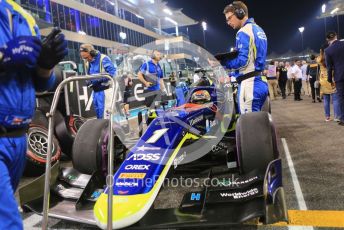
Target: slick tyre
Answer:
pixel 66 131
pixel 37 150
pixel 87 146
pixel 256 142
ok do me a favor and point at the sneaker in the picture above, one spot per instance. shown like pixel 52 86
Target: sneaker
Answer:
pixel 336 120
pixel 327 119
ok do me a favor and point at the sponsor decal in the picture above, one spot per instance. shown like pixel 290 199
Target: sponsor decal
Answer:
pixel 22 48
pixel 144 148
pixel 240 195
pixel 132 175
pixel 137 167
pixel 122 192
pixel 178 160
pixel 127 184
pixel 262 35
pixel 195 196
pixel 144 157
pixel 137 91
pixel 196 120
pixel 238 183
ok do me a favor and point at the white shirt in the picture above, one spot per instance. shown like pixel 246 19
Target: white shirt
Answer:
pixel 304 72
pixel 296 70
pixel 289 72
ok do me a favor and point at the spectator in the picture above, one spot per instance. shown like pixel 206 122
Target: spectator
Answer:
pixel 26 65
pixel 335 69
pixel 327 89
pixel 290 87
pixel 272 80
pixel 313 73
pixel 282 78
pixel 305 80
pixel 296 74
pixel 96 63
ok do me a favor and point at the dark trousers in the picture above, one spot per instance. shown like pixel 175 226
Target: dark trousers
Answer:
pixel 315 91
pixel 340 98
pixel 297 89
pixel 282 84
pixel 151 97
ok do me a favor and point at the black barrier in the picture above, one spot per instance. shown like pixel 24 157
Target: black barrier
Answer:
pixel 136 99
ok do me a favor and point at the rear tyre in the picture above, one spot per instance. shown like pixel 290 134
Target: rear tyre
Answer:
pixel 255 139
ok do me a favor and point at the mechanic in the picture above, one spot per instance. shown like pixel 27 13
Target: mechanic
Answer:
pixel 150 74
pixel 26 65
pixel 251 43
pixel 98 63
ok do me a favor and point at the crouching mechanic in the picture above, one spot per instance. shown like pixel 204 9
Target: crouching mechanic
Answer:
pixel 25 67
pixel 96 63
pixel 251 44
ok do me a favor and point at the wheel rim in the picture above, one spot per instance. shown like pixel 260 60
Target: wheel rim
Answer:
pixel 38 143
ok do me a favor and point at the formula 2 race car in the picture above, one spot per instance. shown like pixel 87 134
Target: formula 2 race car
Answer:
pixel 193 138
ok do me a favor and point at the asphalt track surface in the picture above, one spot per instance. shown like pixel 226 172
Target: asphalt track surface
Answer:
pixel 312 151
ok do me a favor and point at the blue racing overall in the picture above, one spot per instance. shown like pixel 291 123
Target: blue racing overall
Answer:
pixel 18 83
pixel 100 64
pixel 251 43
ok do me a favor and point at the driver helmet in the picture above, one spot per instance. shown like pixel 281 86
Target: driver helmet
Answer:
pixel 200 97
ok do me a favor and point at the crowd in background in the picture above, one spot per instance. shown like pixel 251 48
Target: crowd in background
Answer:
pixel 315 78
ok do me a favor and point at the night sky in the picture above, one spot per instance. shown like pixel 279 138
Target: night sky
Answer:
pixel 279 19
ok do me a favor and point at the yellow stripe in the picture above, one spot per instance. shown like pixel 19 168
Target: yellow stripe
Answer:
pixel 29 19
pixel 315 218
pixel 126 206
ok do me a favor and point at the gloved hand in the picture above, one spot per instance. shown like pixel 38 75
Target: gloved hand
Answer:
pixel 54 49
pixel 20 52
